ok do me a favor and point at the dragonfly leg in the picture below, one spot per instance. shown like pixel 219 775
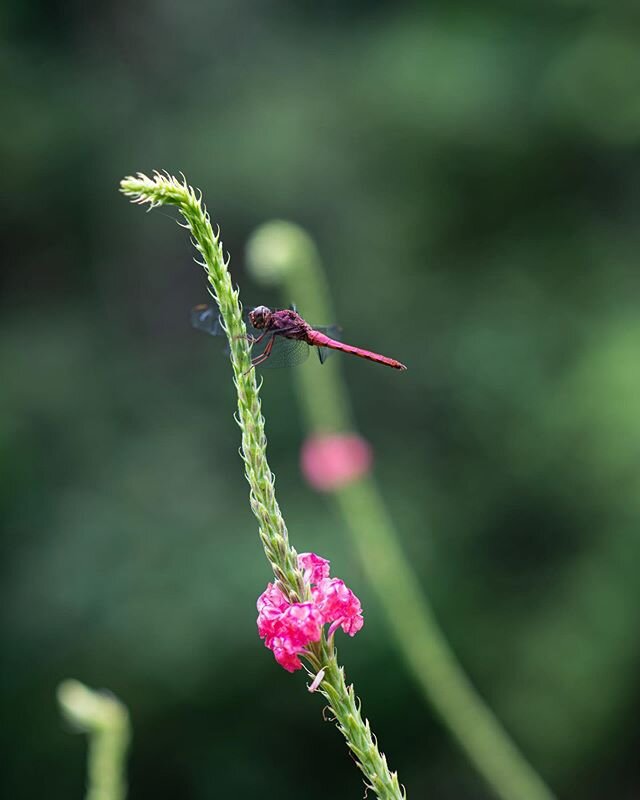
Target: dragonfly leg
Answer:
pixel 264 355
pixel 256 339
pixel 249 337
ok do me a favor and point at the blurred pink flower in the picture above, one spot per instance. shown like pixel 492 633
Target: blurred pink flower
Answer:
pixel 288 628
pixel 331 461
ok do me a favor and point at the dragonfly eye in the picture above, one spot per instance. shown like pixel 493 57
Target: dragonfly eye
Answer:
pixel 259 316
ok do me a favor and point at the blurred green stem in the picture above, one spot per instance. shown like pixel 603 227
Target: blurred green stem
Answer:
pixel 164 189
pixel 106 723
pixel 282 253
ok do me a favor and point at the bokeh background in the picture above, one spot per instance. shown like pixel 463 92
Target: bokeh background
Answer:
pixel 471 175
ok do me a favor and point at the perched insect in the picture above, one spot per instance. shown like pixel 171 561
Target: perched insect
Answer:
pixel 289 337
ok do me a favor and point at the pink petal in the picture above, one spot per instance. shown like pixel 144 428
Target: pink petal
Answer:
pixel 302 623
pixel 338 605
pixel 273 597
pixel 317 681
pixel 287 657
pixel 314 567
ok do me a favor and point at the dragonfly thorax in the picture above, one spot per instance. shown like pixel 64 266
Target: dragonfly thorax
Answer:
pixel 260 317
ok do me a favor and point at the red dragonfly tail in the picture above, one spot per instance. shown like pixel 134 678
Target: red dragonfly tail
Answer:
pixel 322 340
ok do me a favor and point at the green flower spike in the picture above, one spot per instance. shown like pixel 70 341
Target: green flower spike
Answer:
pixel 164 189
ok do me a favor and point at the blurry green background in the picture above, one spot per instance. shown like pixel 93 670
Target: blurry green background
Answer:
pixel 471 175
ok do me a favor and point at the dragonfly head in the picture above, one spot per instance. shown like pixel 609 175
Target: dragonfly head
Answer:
pixel 260 317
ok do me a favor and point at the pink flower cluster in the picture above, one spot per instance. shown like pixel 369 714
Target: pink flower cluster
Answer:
pixel 287 628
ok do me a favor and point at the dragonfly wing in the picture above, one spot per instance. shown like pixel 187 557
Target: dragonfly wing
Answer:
pixel 323 354
pixel 285 353
pixel 206 318
pixel 334 332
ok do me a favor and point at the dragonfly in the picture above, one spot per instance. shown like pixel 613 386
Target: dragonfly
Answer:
pixel 289 337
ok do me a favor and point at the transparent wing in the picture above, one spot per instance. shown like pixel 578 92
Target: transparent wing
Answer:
pixel 206 318
pixel 334 332
pixel 284 353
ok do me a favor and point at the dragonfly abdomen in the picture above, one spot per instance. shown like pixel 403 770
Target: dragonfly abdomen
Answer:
pixel 322 340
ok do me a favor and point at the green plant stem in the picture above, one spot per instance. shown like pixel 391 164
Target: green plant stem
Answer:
pixel 106 722
pixel 430 658
pixel 164 189
pixel 346 709
pixel 287 255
